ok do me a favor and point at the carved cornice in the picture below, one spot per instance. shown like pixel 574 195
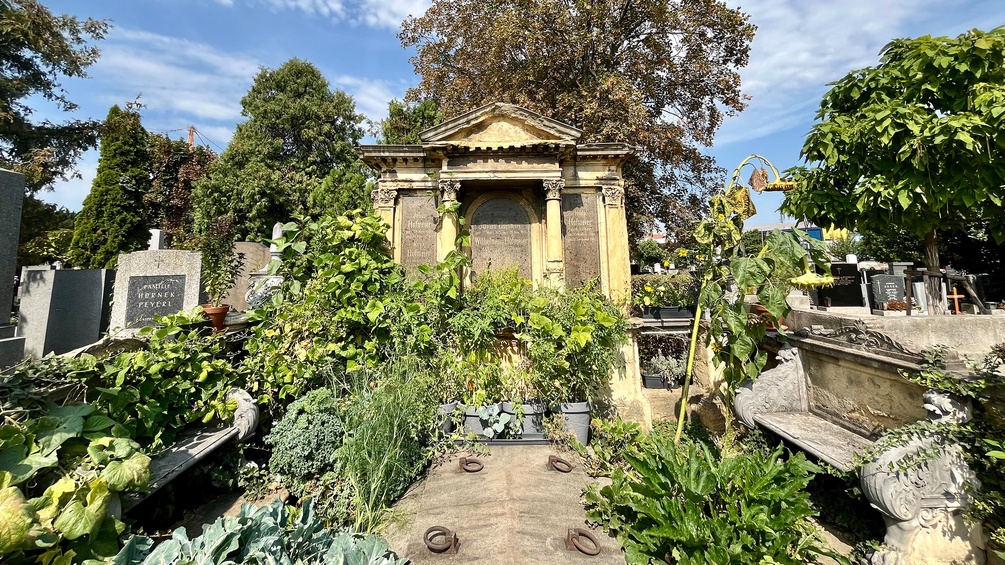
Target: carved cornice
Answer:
pixel 553 189
pixel 449 188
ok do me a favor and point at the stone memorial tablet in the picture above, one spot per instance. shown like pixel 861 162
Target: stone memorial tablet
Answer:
pixel 846 290
pixel 418 231
pixel 580 237
pixel 500 237
pixel 886 288
pixel 154 295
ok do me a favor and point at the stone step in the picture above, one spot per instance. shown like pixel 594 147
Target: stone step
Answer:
pixel 815 435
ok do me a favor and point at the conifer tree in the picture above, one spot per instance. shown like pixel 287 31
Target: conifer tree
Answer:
pixel 112 220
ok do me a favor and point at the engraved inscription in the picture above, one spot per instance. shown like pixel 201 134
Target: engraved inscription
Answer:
pixel 418 231
pixel 500 237
pixel 581 238
pixel 155 295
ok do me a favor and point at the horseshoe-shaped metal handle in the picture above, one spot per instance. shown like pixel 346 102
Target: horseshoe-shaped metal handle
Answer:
pixel 572 542
pixel 471 465
pixel 558 464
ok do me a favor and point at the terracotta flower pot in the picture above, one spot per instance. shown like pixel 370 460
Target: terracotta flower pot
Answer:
pixel 217 315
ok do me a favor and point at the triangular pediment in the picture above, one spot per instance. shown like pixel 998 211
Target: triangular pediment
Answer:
pixel 500 125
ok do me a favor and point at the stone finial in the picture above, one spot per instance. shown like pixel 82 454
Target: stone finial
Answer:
pixel 156 240
pixel 449 189
pixel 553 189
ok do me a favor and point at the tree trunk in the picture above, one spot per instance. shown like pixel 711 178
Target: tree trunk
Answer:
pixel 933 285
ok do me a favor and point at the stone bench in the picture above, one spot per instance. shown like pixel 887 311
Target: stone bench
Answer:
pixel 196 445
pixel 799 400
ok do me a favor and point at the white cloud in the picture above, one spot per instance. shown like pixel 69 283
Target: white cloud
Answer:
pixel 801 46
pixel 372 13
pixel 371 95
pixel 174 75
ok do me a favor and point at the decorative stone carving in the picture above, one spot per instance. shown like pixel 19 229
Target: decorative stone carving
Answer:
pixel 261 293
pixel 863 337
pixel 384 196
pixel 246 414
pixel 782 389
pixel 920 487
pixel 614 195
pixel 553 189
pixel 449 189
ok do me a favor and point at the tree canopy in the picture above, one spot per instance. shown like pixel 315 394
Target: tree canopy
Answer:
pixel 913 142
pixel 38 49
pixel 298 132
pixel 652 73
pixel 113 219
pixel 404 122
pixel 174 169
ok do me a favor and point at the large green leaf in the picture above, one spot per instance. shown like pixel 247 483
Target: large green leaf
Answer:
pixel 52 431
pixel 749 271
pixel 773 298
pixel 78 520
pixel 17 521
pixel 131 474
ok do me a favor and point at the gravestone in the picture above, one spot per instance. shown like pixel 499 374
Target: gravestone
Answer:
pixel 500 237
pixel 154 283
pixel 11 200
pixel 581 237
pixel 846 290
pixel 256 258
pixel 156 240
pixel 887 288
pixel 418 231
pixel 62 310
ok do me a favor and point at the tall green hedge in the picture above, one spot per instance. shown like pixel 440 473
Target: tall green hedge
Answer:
pixel 112 220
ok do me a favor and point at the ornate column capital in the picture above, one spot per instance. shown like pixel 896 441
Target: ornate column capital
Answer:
pixel 553 189
pixel 614 195
pixel 384 195
pixel 449 189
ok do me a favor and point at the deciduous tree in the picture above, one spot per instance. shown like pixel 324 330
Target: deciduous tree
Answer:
pixel 38 49
pixel 174 169
pixel 915 142
pixel 657 74
pixel 113 219
pixel 298 131
pixel 405 121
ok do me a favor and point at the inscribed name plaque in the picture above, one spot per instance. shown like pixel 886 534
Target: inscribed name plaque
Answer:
pixel 500 237
pixel 154 295
pixel 887 288
pixel 581 238
pixel 418 231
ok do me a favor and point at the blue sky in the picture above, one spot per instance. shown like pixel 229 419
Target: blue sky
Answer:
pixel 193 60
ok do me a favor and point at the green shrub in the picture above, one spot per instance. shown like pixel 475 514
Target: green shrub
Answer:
pixel 664 290
pixel 59 473
pixel 180 378
pixel 305 439
pixel 270 534
pixel 686 505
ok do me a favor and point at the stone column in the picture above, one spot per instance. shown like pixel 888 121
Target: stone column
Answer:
pixel 447 240
pixel 554 270
pixel 383 201
pixel 618 262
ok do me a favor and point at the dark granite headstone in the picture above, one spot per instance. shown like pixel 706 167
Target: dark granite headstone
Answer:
pixel 153 295
pixel 500 237
pixel 418 231
pixel 846 290
pixel 581 238
pixel 886 288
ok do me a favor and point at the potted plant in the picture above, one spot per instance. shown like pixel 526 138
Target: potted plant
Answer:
pixel 523 405
pixel 665 297
pixel 220 266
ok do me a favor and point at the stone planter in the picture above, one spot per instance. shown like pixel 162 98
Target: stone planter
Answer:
pixel 446 417
pixel 533 418
pixel 675 313
pixel 652 381
pixel 473 423
pixel 577 419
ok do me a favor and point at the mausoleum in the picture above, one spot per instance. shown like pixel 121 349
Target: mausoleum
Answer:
pixel 531 197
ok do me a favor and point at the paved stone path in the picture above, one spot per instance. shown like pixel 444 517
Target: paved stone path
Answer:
pixel 515 511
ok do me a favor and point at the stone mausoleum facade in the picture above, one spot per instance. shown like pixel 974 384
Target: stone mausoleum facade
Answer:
pixel 531 196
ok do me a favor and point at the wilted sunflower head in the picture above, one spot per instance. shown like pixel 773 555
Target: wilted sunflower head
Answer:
pixel 810 280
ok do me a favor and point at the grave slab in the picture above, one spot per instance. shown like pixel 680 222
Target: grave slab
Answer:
pixel 11 200
pixel 62 310
pixel 150 283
